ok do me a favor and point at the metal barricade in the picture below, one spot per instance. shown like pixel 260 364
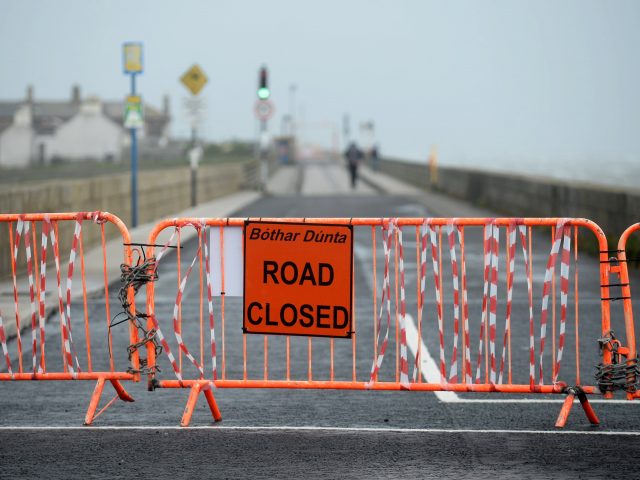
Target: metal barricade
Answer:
pixel 463 308
pixel 75 299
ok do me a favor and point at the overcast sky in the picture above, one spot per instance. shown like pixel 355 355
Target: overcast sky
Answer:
pixel 481 79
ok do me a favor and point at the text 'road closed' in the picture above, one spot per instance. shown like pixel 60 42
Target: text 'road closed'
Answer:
pixel 298 279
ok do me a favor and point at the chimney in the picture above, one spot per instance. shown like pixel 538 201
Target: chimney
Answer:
pixel 75 94
pixel 165 106
pixel 29 93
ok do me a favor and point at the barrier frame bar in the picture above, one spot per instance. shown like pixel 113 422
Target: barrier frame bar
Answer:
pixel 622 270
pixel 198 385
pixel 101 377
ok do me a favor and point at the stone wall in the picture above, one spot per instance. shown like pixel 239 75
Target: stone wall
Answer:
pixel 522 196
pixel 160 194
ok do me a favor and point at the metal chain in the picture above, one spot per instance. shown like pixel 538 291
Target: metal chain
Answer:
pixel 619 375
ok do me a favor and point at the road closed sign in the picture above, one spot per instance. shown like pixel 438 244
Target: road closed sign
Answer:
pixel 298 279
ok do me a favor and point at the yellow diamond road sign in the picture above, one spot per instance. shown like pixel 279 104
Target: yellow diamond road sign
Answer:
pixel 194 79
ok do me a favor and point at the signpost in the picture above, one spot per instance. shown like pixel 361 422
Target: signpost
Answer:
pixel 133 117
pixel 194 79
pixel 132 65
pixel 298 279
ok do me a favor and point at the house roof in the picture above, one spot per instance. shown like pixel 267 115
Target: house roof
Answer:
pixel 49 115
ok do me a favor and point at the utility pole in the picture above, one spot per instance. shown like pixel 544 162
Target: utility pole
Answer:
pixel 132 65
pixel 292 108
pixel 346 129
pixel 194 79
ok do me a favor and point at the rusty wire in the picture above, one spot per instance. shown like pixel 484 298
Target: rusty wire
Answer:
pixel 136 277
pixel 620 374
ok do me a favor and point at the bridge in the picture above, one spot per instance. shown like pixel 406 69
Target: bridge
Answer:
pixel 318 432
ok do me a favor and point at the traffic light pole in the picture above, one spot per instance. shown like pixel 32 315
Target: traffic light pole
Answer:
pixel 264 167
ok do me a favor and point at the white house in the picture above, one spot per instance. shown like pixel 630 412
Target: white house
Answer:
pixel 89 134
pixel 40 132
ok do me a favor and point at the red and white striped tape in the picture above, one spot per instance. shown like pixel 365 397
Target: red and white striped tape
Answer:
pixel 493 300
pixel 453 370
pixel 46 227
pixel 511 237
pixel 564 294
pixel 214 366
pixel 154 320
pixel 5 350
pixel 523 240
pixel 546 290
pixel 14 268
pixel 438 289
pixel 23 229
pixel 178 303
pixel 404 364
pixel 465 309
pixel 32 294
pixel 423 282
pixel 488 234
pixel 67 339
pixel 385 300
pixel 72 261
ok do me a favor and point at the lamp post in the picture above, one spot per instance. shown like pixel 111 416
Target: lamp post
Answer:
pixel 292 108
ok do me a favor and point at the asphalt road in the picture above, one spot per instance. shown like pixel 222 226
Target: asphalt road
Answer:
pixel 270 433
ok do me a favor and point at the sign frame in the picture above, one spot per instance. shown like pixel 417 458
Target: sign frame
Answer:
pixel 350 325
pixel 132 58
pixel 133 102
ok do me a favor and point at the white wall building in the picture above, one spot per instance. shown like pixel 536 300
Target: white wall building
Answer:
pixel 38 133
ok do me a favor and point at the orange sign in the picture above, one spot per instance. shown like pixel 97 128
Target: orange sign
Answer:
pixel 298 279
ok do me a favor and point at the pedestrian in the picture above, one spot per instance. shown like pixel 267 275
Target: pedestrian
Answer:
pixel 353 156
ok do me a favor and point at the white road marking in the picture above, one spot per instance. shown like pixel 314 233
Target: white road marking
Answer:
pixel 431 373
pixel 428 367
pixel 258 428
pixel 541 400
pixel 430 370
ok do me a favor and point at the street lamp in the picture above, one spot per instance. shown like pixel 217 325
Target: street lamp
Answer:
pixel 292 107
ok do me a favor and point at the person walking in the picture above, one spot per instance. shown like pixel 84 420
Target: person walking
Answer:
pixel 353 156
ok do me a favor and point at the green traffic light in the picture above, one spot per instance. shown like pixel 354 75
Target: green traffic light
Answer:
pixel 263 93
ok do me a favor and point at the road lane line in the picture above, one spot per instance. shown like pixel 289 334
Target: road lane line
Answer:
pixel 431 374
pixel 376 430
pixel 541 400
pixel 428 368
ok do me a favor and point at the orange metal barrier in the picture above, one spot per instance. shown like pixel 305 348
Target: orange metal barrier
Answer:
pixel 44 284
pixel 447 274
pixel 629 375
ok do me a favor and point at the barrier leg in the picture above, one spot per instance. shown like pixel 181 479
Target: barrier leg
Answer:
pixel 121 393
pixel 572 393
pixel 191 404
pixel 196 388
pixel 95 401
pixel 215 411
pixel 564 412
pixel 588 410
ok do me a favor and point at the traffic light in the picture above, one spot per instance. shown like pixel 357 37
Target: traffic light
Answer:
pixel 263 84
